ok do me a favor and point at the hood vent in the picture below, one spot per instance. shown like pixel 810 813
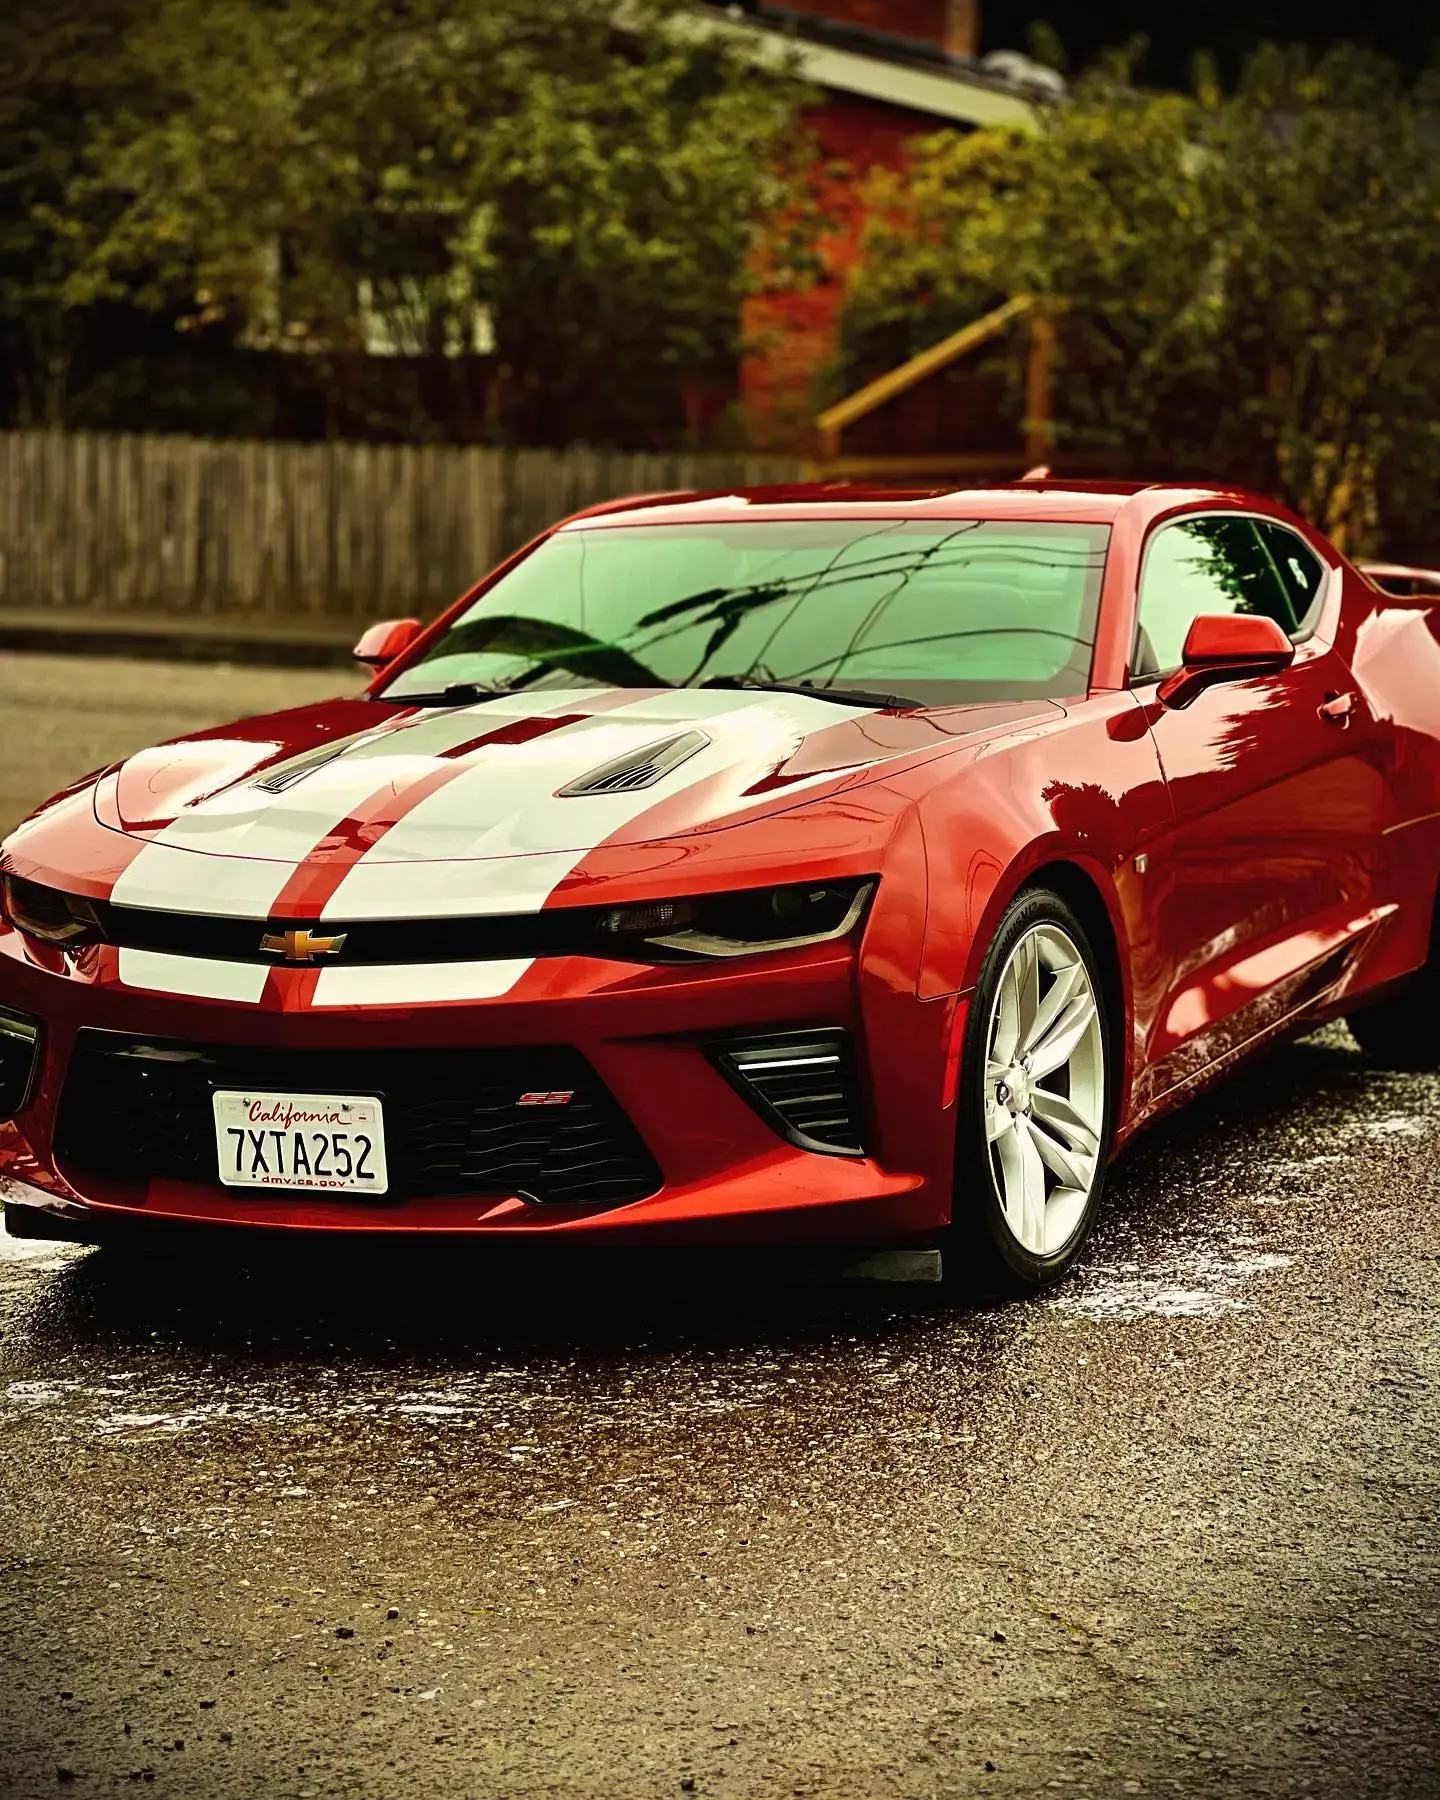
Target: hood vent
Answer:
pixel 294 770
pixel 637 768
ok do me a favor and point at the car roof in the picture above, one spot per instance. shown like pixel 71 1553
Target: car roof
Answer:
pixel 1095 502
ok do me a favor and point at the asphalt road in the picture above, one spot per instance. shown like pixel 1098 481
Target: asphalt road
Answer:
pixel 382 1526
pixel 61 716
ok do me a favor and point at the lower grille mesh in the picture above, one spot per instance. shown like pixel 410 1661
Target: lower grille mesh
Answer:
pixel 454 1123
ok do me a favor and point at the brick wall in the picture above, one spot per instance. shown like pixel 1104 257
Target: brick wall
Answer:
pixel 791 337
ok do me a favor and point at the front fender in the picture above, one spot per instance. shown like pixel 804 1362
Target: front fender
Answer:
pixel 1087 792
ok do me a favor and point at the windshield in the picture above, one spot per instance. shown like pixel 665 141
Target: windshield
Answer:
pixel 933 611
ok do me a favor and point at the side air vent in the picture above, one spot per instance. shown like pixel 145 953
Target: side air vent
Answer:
pixel 802 1083
pixel 637 768
pixel 19 1055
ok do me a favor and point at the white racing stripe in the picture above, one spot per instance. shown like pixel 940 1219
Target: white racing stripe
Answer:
pixel 418 984
pixel 484 845
pixel 195 977
pixel 451 890
pixel 497 838
pixel 228 887
pixel 252 840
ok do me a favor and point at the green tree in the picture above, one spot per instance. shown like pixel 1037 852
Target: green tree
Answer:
pixel 64 66
pixel 1096 213
pixel 601 194
pixel 1326 196
pixel 1242 286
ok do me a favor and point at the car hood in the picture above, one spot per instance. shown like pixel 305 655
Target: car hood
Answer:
pixel 515 775
pixel 361 809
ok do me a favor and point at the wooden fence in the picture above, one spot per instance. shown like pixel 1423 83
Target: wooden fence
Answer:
pixel 300 533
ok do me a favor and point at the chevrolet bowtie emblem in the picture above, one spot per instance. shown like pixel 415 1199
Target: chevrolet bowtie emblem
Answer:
pixel 301 946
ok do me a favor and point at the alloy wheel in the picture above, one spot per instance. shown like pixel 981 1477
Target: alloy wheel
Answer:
pixel 1044 1093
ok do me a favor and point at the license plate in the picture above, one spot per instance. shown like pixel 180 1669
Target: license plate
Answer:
pixel 333 1142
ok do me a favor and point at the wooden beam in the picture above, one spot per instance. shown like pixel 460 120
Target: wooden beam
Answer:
pixel 1040 390
pixel 939 356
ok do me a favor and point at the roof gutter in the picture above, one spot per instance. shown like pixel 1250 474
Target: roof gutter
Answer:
pixel 960 96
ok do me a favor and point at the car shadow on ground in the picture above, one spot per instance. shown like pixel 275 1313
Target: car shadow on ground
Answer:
pixel 349 1300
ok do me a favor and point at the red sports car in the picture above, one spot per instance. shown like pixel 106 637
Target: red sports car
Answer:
pixel 798 865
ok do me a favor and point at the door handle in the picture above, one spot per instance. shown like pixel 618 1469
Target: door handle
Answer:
pixel 1337 709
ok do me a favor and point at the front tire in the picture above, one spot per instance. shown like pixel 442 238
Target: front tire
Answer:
pixel 1037 1103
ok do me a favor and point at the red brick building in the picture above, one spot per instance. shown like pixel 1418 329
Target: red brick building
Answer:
pixel 889 71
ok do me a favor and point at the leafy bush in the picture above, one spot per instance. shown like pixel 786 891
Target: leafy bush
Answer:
pixel 1243 286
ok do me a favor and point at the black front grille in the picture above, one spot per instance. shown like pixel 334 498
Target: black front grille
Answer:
pixel 562 931
pixel 454 1121
pixel 803 1083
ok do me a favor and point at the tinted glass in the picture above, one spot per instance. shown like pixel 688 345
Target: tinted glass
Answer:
pixel 1299 568
pixel 937 611
pixel 1212 565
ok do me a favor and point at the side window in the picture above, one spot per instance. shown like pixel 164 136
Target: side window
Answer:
pixel 1219 564
pixel 1300 569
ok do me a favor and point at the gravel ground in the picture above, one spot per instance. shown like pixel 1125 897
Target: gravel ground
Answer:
pixel 388 1525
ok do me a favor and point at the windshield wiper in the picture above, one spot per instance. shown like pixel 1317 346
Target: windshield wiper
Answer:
pixel 459 693
pixel 470 693
pixel 841 696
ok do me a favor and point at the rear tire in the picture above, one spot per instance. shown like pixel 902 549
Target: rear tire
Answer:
pixel 1036 1104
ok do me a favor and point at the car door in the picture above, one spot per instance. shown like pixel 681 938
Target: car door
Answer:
pixel 1271 863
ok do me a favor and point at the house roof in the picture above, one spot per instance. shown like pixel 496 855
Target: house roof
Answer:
pixel 851 59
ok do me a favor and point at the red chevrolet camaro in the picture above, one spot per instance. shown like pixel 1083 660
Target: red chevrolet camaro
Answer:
pixel 797 865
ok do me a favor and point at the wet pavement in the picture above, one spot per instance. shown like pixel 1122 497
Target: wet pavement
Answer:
pixel 381 1525
pixel 376 1525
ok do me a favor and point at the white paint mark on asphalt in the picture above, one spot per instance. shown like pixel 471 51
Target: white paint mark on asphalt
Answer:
pixel 1397 1125
pixel 1204 1281
pixel 165 1424
pixel 41 1393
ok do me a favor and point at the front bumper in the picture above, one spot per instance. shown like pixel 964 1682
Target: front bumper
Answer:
pixel 726 1174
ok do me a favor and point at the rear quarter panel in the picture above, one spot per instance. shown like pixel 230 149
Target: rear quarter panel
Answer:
pixel 1393 647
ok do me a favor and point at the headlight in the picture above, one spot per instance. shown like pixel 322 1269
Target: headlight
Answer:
pixel 47 914
pixel 743 924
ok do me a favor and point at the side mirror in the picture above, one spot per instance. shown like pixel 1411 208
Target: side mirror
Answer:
pixel 382 643
pixel 1225 647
